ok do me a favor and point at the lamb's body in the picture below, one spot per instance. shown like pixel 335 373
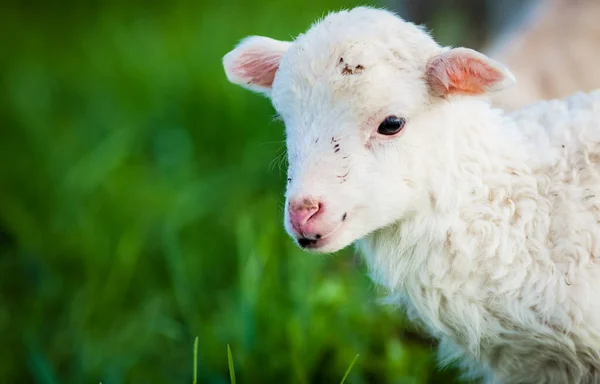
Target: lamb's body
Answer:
pixel 485 226
pixel 508 268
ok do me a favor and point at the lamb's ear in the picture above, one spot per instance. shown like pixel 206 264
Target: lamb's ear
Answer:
pixel 465 71
pixel 253 62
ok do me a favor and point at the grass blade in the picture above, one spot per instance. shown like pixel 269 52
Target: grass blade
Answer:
pixel 231 369
pixel 196 360
pixel 349 368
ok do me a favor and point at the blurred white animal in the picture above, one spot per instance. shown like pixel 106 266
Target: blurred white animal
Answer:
pixel 553 52
pixel 483 225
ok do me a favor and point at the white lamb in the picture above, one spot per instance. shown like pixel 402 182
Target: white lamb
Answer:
pixel 483 225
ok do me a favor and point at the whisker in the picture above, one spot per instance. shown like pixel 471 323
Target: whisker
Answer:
pixel 279 160
pixel 276 118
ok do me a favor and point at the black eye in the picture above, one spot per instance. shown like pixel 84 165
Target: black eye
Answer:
pixel 391 125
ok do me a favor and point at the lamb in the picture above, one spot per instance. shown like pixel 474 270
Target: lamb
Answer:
pixel 482 224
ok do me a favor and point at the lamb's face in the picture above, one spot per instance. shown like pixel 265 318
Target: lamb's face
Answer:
pixel 348 123
pixel 355 93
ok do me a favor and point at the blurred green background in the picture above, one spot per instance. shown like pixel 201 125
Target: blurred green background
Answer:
pixel 141 206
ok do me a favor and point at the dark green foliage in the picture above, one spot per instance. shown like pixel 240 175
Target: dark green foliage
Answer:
pixel 140 207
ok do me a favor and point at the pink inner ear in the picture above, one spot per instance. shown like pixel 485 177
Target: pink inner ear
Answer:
pixel 258 67
pixel 455 73
pixel 471 75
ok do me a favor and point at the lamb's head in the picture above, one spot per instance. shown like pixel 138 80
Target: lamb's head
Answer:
pixel 357 94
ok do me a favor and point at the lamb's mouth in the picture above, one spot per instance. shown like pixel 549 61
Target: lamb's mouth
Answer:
pixel 306 243
pixel 303 242
pixel 319 240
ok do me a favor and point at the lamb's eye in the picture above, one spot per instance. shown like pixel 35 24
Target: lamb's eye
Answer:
pixel 391 125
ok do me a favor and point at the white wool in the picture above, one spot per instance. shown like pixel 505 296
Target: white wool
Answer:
pixel 510 275
pixel 483 225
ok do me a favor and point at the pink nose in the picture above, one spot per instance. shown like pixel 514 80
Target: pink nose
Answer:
pixel 302 210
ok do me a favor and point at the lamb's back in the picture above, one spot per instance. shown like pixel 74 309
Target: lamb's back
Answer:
pixel 562 140
pixel 561 133
pixel 559 227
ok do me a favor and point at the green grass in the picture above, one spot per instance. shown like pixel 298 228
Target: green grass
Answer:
pixel 231 367
pixel 349 368
pixel 195 381
pixel 139 209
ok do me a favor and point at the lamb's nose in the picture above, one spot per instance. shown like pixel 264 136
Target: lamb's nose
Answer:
pixel 302 210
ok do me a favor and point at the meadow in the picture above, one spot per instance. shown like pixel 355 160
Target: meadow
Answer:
pixel 141 201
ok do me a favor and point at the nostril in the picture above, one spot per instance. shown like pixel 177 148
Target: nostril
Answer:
pixel 302 210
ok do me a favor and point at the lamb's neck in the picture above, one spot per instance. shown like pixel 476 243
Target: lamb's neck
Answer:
pixel 478 144
pixel 482 155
